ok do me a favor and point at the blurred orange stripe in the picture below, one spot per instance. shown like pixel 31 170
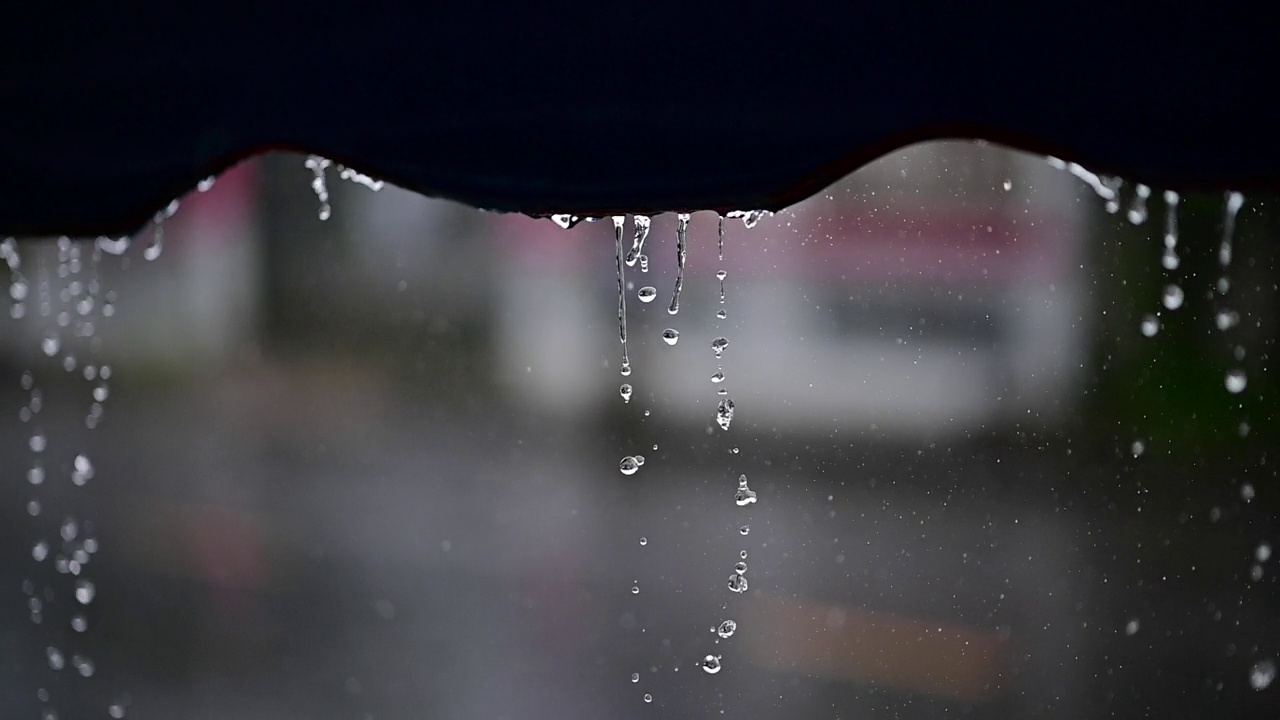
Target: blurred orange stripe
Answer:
pixel 843 643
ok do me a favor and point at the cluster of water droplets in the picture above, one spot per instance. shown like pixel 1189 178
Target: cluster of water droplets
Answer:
pixel 319 167
pixel 67 304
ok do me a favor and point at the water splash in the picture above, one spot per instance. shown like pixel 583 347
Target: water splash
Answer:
pixel 724 413
pixel 642 224
pixel 566 222
pixel 682 232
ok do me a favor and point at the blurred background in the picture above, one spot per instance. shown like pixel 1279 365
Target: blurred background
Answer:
pixel 368 467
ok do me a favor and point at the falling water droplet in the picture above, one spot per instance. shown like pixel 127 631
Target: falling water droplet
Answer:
pixel 625 392
pixel 727 629
pixel 628 465
pixel 37 443
pixel 83 665
pixel 642 223
pixel 718 345
pixel 1263 552
pixel 116 711
pixel 647 293
pixel 79 622
pixel 1172 297
pixel 640 460
pixel 737 583
pixel 721 314
pixel 711 664
pixel 648 698
pixel 744 495
pixel 1150 325
pixel 635 677
pixel 82 470
pixel 644 541
pixel 1138 210
pixel 1236 381
pixel 50 344
pixel 1226 319
pixel 635 589
pixel 682 254
pixel 85 591
pixel 724 413
pixel 1137 448
pixel 1007 185
pixel 1131 627
pixel 56 660
pixel 740 568
pixel 1169 259
pixel 35 475
pixel 744 530
pixel 1261 674
pixel 40 551
pixel 671 336
pixel 718 377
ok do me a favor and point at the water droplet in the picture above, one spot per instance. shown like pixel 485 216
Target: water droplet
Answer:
pixel 647 293
pixel 742 554
pixel 35 475
pixel 50 344
pixel 1169 259
pixel 69 530
pixel 718 345
pixel 79 622
pixel 711 664
pixel 635 677
pixel 745 495
pixel 1172 297
pixel 724 413
pixel 671 336
pixel 206 184
pixel 85 592
pixel 644 541
pixel 1137 448
pixel 156 246
pixel 727 629
pixel 640 460
pixel 625 370
pixel 1226 319
pixel 1150 325
pixel 1263 553
pixel 56 661
pixel 33 508
pixel 1247 492
pixel 648 698
pixel 744 530
pixel 625 392
pixel 37 443
pixel 83 665
pixel 1236 380
pixel 40 551
pixel 718 377
pixel 628 466
pixel 116 711
pixel 737 583
pixel 565 221
pixel 1261 674
pixel 1131 627
pixel 635 589
pixel 740 568
pixel 82 470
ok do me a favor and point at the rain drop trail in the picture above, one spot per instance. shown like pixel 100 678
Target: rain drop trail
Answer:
pixel 720 236
pixel 682 233
pixel 1234 201
pixel 156 246
pixel 318 165
pixel 1170 259
pixel 721 275
pixel 1226 318
pixel 642 223
pixel 618 222
pixel 1138 209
